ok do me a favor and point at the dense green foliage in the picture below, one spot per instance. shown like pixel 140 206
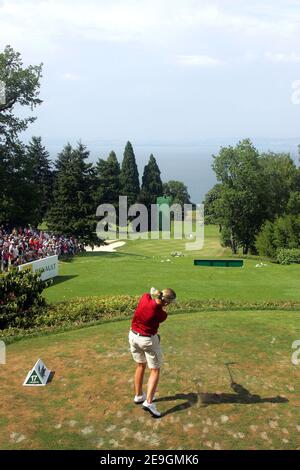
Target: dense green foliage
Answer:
pixel 253 189
pixel 22 87
pixel 152 186
pixel 73 210
pixel 108 180
pixel 210 202
pixel 177 191
pixel 280 177
pixel 20 298
pixel 239 205
pixel 130 185
pixel 283 233
pixel 18 200
pixel 288 255
pixel 93 310
pixel 42 177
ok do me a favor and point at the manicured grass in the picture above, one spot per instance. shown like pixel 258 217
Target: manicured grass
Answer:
pixel 140 264
pixel 88 405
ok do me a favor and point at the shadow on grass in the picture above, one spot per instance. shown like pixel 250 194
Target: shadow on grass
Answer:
pixel 51 376
pixel 241 395
pixel 190 399
pixel 60 279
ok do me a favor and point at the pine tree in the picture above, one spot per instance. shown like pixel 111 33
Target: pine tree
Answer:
pixel 130 185
pixel 42 175
pixel 108 180
pixel 19 195
pixel 152 186
pixel 73 212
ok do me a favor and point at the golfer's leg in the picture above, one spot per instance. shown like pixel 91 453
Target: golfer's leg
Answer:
pixel 139 377
pixel 152 384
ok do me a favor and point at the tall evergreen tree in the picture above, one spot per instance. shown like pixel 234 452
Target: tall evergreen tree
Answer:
pixel 19 196
pixel 130 185
pixel 152 186
pixel 42 175
pixel 108 180
pixel 73 212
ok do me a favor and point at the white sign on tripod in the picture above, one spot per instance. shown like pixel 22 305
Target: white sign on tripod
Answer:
pixel 38 376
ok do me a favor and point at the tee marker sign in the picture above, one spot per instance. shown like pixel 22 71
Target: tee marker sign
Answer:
pixel 38 376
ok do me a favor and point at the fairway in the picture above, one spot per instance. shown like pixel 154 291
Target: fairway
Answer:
pixel 88 405
pixel 140 264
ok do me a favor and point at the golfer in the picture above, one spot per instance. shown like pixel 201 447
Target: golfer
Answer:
pixel 145 344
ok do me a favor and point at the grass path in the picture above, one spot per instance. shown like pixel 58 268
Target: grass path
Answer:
pixel 88 405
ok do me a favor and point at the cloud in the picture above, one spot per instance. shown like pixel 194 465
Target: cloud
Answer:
pixel 290 57
pixel 46 29
pixel 142 20
pixel 70 76
pixel 97 20
pixel 198 61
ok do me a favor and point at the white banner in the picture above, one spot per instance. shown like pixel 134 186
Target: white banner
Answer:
pixel 49 266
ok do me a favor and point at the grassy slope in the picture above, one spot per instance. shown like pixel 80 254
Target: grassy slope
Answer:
pixel 140 264
pixel 88 404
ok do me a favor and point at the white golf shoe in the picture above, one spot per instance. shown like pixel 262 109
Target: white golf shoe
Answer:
pixel 139 399
pixel 151 407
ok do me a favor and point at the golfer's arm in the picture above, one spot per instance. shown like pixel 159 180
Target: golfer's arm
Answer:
pixel 163 317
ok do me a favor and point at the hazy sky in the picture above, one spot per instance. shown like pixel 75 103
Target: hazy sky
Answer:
pixel 159 70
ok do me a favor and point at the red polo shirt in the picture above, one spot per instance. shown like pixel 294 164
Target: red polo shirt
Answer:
pixel 147 316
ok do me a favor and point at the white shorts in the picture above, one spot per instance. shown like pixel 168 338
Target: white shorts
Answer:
pixel 146 349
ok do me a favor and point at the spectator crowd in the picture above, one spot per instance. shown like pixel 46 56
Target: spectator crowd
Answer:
pixel 23 245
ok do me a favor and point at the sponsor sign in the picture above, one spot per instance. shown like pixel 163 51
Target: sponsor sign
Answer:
pixel 49 267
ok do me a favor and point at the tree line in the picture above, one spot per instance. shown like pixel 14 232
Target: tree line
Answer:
pixel 256 201
pixel 65 193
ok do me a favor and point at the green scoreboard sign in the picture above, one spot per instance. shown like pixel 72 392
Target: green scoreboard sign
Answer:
pixel 230 263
